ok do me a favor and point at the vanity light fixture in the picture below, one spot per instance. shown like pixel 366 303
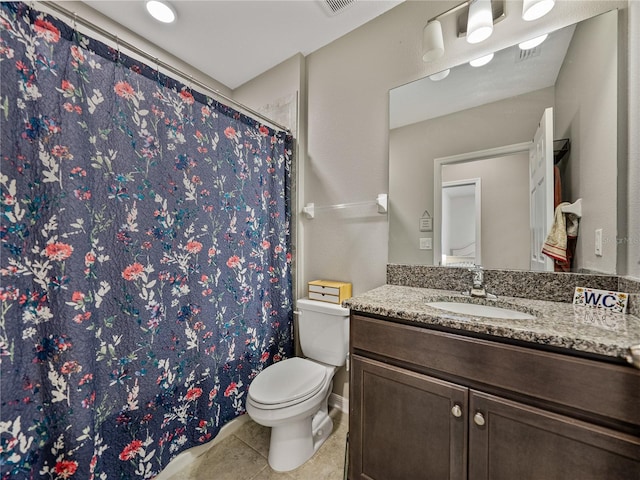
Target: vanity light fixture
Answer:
pixel 480 21
pixel 479 62
pixel 533 43
pixel 534 9
pixel 161 11
pixel 475 21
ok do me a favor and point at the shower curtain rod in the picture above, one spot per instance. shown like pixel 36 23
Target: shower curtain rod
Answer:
pixel 159 63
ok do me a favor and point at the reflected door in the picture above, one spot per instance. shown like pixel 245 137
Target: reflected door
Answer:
pixel 541 190
pixel 461 222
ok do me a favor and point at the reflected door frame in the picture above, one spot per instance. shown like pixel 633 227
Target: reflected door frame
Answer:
pixel 437 185
pixel 477 205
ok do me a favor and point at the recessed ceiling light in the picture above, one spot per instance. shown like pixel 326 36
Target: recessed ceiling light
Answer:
pixel 533 43
pixel 161 11
pixel 479 62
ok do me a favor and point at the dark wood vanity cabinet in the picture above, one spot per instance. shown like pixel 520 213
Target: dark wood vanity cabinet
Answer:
pixel 426 404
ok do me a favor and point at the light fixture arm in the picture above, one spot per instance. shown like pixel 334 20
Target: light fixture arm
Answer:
pixel 432 36
pixel 450 11
pixel 498 14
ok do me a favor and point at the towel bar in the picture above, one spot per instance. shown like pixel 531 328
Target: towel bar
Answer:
pixel 381 202
pixel 575 208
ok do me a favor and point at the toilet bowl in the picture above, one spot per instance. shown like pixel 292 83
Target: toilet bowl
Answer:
pixel 292 396
pixel 298 414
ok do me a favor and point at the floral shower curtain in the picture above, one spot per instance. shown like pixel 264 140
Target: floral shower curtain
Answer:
pixel 145 258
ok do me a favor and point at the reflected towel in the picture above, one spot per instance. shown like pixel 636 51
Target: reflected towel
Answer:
pixel 557 187
pixel 555 246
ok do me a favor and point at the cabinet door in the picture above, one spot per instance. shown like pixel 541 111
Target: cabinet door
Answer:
pixel 509 440
pixel 404 425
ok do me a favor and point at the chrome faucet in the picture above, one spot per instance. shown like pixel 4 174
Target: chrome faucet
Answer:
pixel 478 289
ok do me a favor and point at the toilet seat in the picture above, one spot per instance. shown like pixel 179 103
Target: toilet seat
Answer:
pixel 287 383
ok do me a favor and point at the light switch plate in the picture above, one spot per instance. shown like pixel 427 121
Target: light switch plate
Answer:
pixel 426 243
pixel 598 249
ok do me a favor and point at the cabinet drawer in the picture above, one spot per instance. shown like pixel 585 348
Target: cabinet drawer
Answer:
pixel 323 290
pixel 324 297
pixel 596 389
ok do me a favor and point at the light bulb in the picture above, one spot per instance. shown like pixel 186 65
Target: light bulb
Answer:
pixel 480 21
pixel 432 41
pixel 533 43
pixel 534 9
pixel 479 62
pixel 440 75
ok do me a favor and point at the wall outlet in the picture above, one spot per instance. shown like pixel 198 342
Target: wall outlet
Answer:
pixel 426 243
pixel 598 249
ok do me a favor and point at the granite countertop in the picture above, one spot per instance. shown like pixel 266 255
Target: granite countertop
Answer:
pixel 557 324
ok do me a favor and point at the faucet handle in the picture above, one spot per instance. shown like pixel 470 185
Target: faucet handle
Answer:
pixel 478 276
pixel 478 289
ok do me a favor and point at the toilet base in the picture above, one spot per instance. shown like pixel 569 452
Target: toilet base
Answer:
pixel 292 444
pixel 322 426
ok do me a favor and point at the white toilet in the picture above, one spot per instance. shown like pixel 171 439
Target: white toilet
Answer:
pixel 291 396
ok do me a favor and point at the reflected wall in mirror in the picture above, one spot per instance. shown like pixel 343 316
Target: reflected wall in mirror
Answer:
pixel 575 71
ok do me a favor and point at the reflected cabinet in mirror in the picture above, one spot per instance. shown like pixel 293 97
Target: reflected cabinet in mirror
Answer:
pixel 479 160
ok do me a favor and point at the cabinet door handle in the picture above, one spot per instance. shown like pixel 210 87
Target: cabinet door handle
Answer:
pixel 456 411
pixel 478 419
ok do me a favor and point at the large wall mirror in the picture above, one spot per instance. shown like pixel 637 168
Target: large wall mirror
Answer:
pixel 473 127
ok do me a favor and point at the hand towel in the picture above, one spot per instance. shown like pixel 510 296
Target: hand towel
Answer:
pixel 557 186
pixel 572 221
pixel 555 246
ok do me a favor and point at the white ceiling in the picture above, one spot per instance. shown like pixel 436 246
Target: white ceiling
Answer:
pixel 233 41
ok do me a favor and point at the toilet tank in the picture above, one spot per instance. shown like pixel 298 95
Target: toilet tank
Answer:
pixel 323 331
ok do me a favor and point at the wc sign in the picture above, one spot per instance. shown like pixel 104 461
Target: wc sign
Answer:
pixel 615 302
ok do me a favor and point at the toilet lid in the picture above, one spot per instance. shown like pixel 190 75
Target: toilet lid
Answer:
pixel 292 379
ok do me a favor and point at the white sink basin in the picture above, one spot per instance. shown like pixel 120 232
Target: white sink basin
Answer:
pixel 481 310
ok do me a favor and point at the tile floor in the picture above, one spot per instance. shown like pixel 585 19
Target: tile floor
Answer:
pixel 243 456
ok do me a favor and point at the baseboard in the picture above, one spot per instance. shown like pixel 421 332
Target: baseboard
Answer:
pixel 184 459
pixel 339 402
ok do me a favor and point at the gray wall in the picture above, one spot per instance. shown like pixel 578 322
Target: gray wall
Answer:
pixel 630 242
pixel 586 112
